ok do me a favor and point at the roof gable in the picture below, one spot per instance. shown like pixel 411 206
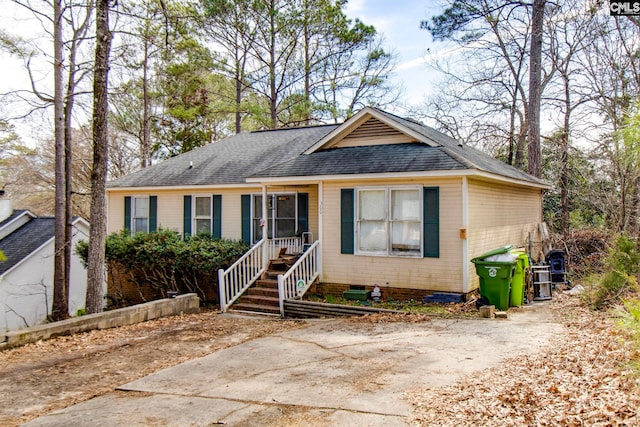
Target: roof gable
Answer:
pixel 370 127
pixel 25 240
pixel 16 220
pixel 372 132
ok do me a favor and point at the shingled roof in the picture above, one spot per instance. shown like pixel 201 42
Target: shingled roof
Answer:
pixel 24 241
pixel 300 152
pixel 228 161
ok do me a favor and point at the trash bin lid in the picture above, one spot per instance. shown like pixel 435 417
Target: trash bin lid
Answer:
pixel 502 250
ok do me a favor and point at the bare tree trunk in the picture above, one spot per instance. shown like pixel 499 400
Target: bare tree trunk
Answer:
pixel 535 67
pixel 273 98
pixel 146 116
pixel 98 231
pixel 60 309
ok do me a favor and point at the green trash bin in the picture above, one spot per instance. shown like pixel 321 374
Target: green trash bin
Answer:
pixel 516 298
pixel 495 277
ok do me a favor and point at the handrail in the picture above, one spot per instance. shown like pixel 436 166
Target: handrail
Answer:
pixel 236 279
pixel 298 279
pixel 293 245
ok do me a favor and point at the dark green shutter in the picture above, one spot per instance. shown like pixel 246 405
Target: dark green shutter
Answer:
pixel 347 220
pixel 246 217
pixel 217 216
pixel 127 213
pixel 187 216
pixel 431 224
pixel 153 213
pixel 303 212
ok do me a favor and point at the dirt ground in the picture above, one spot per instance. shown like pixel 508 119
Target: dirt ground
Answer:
pixel 49 375
pixel 581 378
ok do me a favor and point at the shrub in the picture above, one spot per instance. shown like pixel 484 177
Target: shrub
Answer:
pixel 619 279
pixel 162 261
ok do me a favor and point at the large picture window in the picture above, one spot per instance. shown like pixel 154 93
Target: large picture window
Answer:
pixel 389 221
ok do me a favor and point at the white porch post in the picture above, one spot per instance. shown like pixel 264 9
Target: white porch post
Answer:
pixel 320 228
pixel 464 234
pixel 265 226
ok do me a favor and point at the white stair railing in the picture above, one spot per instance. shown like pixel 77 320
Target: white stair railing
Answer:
pixel 293 245
pixel 297 280
pixel 240 276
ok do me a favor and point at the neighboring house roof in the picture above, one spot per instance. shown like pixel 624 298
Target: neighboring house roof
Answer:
pixel 16 213
pixel 228 161
pixel 21 242
pixel 309 151
pixel 24 241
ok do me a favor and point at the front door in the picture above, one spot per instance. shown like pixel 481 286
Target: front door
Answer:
pixel 282 215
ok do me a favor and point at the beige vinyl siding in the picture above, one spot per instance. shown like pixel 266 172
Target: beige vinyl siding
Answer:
pixel 441 273
pixel 171 207
pixel 502 214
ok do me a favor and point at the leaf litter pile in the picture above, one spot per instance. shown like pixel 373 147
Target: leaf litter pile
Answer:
pixel 581 378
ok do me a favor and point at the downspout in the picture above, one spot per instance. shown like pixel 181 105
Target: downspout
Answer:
pixel 464 234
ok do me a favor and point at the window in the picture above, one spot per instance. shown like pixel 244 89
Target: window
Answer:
pixel 202 219
pixel 389 221
pixel 140 217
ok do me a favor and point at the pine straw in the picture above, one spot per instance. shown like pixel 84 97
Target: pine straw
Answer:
pixel 580 378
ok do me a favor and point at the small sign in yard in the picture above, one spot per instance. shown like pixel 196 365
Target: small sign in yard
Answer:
pixel 300 284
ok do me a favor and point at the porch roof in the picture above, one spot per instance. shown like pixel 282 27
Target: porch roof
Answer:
pixel 394 158
pixel 390 158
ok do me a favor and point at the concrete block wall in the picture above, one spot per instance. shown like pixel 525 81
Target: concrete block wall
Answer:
pixel 188 303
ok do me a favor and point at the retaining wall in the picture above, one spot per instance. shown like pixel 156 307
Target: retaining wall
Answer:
pixel 188 303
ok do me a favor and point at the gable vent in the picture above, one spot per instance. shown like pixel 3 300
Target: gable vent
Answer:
pixel 373 132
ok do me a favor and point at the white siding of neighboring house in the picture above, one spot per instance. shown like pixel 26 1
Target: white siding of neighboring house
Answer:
pixel 26 291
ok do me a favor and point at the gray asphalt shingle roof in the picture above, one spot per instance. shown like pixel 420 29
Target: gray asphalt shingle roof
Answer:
pixel 228 161
pixel 26 239
pixel 414 157
pixel 16 213
pixel 279 153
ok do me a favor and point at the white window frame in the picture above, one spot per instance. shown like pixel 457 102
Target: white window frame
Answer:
pixel 134 203
pixel 388 221
pixel 194 213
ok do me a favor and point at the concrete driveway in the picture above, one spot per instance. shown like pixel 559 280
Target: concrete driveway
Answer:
pixel 333 372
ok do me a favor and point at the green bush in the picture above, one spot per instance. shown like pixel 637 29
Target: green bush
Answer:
pixel 620 277
pixel 630 323
pixel 162 261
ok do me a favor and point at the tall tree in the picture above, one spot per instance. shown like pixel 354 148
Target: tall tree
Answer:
pixel 535 88
pixel 60 309
pixel 136 101
pixel 98 230
pixel 226 23
pixel 490 81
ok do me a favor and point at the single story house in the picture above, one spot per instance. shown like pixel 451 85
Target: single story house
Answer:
pixel 26 276
pixel 386 201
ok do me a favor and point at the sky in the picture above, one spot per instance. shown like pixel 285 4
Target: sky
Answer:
pixel 397 21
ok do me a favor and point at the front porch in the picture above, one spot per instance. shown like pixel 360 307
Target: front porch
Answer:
pixel 271 272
